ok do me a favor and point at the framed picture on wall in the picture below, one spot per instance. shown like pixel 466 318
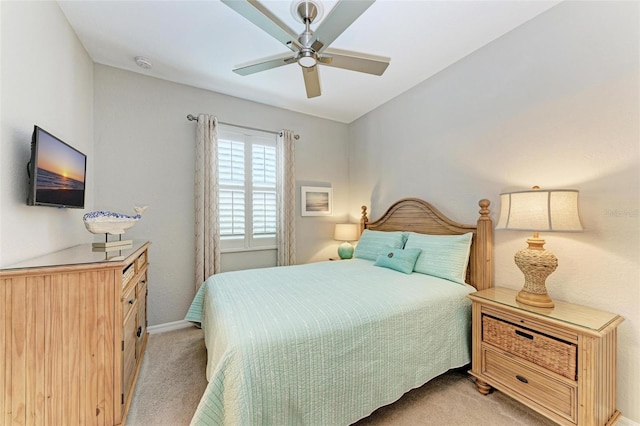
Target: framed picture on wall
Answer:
pixel 316 201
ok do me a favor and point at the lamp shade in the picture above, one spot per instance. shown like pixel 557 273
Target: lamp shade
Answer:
pixel 540 210
pixel 346 232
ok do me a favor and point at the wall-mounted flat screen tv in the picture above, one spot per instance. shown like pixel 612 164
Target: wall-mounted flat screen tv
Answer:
pixel 56 172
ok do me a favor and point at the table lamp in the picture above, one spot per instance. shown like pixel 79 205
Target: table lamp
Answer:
pixel 346 232
pixel 554 210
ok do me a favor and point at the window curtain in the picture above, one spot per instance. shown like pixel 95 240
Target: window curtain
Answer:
pixel 207 229
pixel 286 196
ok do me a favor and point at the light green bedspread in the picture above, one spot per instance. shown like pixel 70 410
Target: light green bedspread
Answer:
pixel 324 343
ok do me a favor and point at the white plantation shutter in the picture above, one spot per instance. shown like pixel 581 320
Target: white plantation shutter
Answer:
pixel 248 182
pixel 231 213
pixel 264 165
pixel 264 214
pixel 231 169
pixel 264 190
pixel 231 163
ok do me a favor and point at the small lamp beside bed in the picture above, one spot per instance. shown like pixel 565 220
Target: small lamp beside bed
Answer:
pixel 346 232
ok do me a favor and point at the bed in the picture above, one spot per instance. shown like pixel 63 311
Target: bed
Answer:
pixel 327 343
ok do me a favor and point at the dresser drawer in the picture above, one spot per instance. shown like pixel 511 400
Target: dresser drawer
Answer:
pixel 142 317
pixel 551 393
pixel 127 274
pixel 141 261
pixel 128 301
pixel 142 284
pixel 548 352
pixel 129 349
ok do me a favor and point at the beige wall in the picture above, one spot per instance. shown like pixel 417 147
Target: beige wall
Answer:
pixel 554 103
pixel 46 79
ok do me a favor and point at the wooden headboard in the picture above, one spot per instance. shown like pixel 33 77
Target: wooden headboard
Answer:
pixel 415 215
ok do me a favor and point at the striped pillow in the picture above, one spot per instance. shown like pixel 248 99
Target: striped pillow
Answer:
pixel 372 243
pixel 444 256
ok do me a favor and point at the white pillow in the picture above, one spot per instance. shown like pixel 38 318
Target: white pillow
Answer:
pixel 444 256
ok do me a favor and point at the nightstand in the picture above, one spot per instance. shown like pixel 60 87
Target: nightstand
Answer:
pixel 559 361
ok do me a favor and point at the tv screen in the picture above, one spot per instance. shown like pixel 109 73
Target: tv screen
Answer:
pixel 56 172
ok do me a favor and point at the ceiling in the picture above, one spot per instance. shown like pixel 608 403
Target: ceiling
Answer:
pixel 198 43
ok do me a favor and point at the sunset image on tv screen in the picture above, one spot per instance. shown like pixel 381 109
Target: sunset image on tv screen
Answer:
pixel 61 173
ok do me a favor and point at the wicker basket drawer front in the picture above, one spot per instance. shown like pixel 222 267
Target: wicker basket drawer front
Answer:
pixel 552 354
pixel 541 327
pixel 551 393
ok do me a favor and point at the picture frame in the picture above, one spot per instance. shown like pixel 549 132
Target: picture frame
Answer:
pixel 316 201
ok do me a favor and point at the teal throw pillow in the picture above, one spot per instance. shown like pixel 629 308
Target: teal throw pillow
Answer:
pixel 398 259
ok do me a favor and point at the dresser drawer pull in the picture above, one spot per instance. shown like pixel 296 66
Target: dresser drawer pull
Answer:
pixel 131 301
pixel 525 335
pixel 522 379
pixel 139 332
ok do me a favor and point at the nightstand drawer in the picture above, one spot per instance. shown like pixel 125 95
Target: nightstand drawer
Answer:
pixel 548 352
pixel 551 393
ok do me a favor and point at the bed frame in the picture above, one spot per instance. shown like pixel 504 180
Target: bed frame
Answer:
pixel 415 215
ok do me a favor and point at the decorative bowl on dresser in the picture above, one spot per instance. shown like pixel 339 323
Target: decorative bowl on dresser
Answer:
pixel 73 328
pixel 559 361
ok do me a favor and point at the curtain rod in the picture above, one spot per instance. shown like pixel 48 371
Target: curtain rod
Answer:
pixel 192 117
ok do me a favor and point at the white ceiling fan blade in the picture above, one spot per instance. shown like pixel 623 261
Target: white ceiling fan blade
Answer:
pixel 341 16
pixel 265 64
pixel 355 61
pixel 267 21
pixel 311 81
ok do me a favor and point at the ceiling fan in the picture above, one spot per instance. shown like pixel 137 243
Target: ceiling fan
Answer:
pixel 310 48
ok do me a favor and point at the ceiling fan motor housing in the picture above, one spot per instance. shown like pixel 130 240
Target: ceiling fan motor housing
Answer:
pixel 307 11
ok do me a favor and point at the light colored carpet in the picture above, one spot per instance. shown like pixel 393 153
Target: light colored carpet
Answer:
pixel 172 380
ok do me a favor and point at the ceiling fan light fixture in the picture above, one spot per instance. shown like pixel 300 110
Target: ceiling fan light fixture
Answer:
pixel 307 59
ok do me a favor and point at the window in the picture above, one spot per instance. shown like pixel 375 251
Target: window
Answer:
pixel 247 177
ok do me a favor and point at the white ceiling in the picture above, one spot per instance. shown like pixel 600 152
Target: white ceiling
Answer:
pixel 198 43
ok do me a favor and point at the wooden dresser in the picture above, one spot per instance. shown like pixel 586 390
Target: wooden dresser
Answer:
pixel 559 361
pixel 72 335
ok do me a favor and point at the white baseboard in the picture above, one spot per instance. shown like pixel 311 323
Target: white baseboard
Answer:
pixel 626 422
pixel 169 326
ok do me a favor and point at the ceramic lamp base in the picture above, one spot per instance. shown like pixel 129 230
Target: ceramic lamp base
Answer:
pixel 345 250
